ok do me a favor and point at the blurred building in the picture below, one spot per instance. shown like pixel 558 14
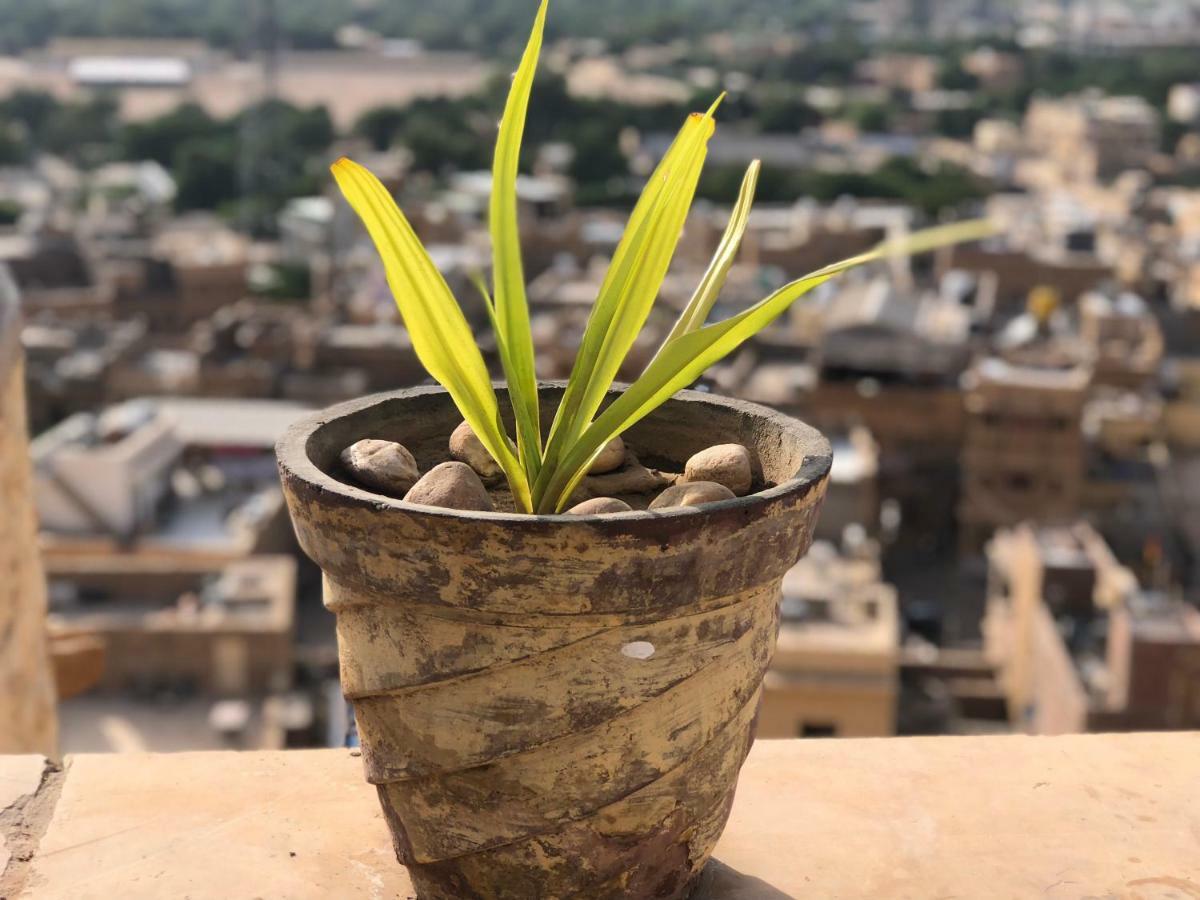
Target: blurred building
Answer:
pixel 1124 337
pixel 171 624
pixel 1079 645
pixel 70 365
pixel 55 276
pixel 164 477
pixel 852 497
pixel 1091 136
pixel 835 670
pixel 185 274
pixel 1022 454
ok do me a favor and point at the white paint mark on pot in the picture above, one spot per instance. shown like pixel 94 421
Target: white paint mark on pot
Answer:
pixel 638 650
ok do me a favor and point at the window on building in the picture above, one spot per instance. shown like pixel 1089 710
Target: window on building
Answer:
pixel 816 730
pixel 1019 481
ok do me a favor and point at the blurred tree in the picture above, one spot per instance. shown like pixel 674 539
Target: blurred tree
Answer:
pixel 31 110
pixel 83 132
pixel 160 139
pixel 870 117
pixel 380 125
pixel 206 173
pixel 598 158
pixel 953 77
pixel 780 111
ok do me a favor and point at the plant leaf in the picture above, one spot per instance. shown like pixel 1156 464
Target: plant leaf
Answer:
pixel 701 304
pixel 511 320
pixel 630 287
pixel 686 357
pixel 441 336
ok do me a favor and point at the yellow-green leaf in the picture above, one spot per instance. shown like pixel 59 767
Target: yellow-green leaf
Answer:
pixel 511 304
pixel 629 289
pixel 701 303
pixel 685 358
pixel 441 335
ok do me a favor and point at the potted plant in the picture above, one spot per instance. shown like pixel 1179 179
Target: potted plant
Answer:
pixel 554 704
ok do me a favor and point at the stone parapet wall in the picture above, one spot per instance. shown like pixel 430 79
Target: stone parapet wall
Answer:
pixel 27 715
pixel 986 818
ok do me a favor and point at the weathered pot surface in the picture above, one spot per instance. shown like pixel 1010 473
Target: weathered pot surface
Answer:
pixel 554 706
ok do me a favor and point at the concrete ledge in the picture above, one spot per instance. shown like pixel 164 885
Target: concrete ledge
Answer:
pixel 1100 816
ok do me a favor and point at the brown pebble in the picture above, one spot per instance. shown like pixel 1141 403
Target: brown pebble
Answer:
pixel 465 446
pixel 383 466
pixel 727 464
pixel 599 506
pixel 452 485
pixel 691 493
pixel 632 478
pixel 612 457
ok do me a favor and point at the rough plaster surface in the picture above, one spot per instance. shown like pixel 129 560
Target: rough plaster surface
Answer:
pixel 1111 816
pixel 19 779
pixel 27 718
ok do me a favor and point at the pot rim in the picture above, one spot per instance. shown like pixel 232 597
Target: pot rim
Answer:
pixel 291 451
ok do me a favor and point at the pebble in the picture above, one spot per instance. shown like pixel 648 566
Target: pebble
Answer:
pixel 634 478
pixel 383 466
pixel 691 493
pixel 453 485
pixel 727 464
pixel 599 506
pixel 465 446
pixel 611 458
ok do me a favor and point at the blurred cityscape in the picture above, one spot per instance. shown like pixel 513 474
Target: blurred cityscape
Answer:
pixel 1011 535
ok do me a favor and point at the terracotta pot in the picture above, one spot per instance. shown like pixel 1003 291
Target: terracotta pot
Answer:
pixel 554 706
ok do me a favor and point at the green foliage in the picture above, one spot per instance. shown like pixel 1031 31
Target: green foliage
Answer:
pixel 943 188
pixel 870 117
pixel 285 142
pixel 282 281
pixel 161 139
pixel 597 160
pixel 83 132
pixel 206 173
pixel 442 134
pixel 784 112
pixel 953 77
pixel 958 123
pixel 204 154
pixel 13 150
pixel 474 24
pixel 542 478
pixel 1148 75
pixel 32 110
pixel 381 125
pixel 1172 133
pixel 10 212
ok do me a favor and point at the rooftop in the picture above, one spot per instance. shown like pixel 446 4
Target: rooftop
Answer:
pixel 979 817
pixel 228 422
pixel 1001 372
pixel 835 604
pixel 102 593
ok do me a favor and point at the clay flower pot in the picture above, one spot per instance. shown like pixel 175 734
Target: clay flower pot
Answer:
pixel 554 706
